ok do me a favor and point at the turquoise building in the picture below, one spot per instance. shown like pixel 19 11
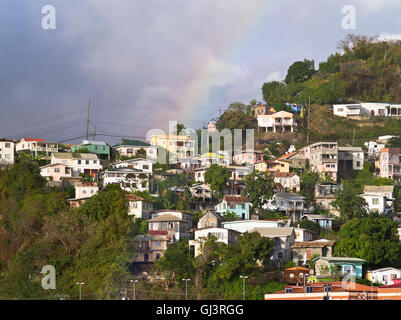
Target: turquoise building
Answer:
pixel 101 148
pixel 342 265
pixel 236 204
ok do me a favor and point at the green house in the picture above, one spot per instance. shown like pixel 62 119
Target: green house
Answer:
pixel 101 148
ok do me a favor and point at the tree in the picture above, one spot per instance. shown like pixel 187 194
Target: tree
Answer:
pixel 299 71
pixel 217 178
pixel 234 119
pixel 274 93
pixel 176 261
pixel 259 188
pixel 230 216
pixel 374 239
pixel 311 226
pixel 349 204
pixel 394 142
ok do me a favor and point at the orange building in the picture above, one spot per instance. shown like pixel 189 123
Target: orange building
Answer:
pixel 334 290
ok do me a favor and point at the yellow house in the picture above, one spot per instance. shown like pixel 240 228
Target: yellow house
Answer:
pixel 273 166
pixel 182 146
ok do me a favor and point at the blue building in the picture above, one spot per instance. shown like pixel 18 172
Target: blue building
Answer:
pixel 343 265
pixel 236 204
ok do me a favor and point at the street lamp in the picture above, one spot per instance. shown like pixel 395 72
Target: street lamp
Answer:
pixel 186 287
pixel 134 282
pixel 80 286
pixel 243 286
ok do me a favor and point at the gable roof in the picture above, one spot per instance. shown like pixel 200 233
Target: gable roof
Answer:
pixel 284 174
pixel 379 189
pixel 289 155
pixel 166 218
pixel 312 244
pixel 33 139
pixel 133 143
pixel 340 259
pixel 236 199
pixel 83 156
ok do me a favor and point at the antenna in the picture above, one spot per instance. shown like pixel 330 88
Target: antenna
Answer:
pixel 87 120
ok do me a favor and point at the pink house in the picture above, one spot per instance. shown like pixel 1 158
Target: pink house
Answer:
pixel 248 158
pixel 56 171
pixel 390 163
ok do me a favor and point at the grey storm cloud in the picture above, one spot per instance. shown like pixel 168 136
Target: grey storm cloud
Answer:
pixel 146 62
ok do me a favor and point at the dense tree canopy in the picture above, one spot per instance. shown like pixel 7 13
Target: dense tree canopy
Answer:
pixel 374 239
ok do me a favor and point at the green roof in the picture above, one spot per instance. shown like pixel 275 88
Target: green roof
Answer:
pixel 133 143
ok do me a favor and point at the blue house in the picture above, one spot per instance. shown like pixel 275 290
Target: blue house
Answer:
pixel 343 265
pixel 236 204
pixel 294 107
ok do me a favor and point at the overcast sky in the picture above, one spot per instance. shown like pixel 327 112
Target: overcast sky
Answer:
pixel 145 62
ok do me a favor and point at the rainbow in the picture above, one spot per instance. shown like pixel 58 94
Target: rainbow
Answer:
pixel 198 90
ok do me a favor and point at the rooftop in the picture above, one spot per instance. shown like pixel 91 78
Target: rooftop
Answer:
pixel 312 244
pixel 274 232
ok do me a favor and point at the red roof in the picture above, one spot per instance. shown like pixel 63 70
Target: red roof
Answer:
pixel 158 232
pixel 284 174
pixel 33 139
pixel 239 199
pixel 288 155
pixel 397 285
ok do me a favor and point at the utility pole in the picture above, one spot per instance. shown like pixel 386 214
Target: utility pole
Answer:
pixel 307 136
pixel 94 133
pixel 87 120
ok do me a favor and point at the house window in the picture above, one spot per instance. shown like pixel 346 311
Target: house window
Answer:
pixel 87 162
pixel 79 161
pixel 358 163
pixel 393 276
pixel 157 256
pixel 375 201
pixel 57 170
pixel 288 290
pixel 309 289
pixel 291 275
pixel 145 166
pixel 280 255
pixel 7 145
pixel 327 289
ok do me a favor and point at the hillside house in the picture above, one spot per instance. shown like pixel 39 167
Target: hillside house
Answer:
pixel 139 207
pixel 129 179
pixel 100 148
pixel 390 164
pixel 288 180
pixel 238 205
pixel 131 148
pixel 176 223
pixel 36 147
pixel 303 251
pixel 278 122
pixel 7 152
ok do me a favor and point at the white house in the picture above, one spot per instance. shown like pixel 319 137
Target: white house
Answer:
pixel 129 179
pixel 373 109
pixel 37 147
pixel 142 164
pixel 290 181
pixel 286 202
pixel 139 207
pixel 249 225
pixel 302 235
pixel 322 220
pixel 347 110
pixel 223 235
pixel 374 148
pixel 85 163
pixel 85 190
pixel 379 198
pixel 130 148
pixel 7 154
pixel 386 276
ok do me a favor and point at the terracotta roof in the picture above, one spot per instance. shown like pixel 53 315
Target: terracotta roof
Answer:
pixel 158 232
pixel 284 174
pixel 288 155
pixel 398 150
pixel 239 199
pixel 133 197
pixel 297 269
pixel 398 285
pixel 312 244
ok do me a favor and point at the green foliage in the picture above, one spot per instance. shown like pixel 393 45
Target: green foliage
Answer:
pixel 234 119
pixel 230 216
pixel 394 142
pixel 374 239
pixel 350 204
pixel 110 201
pixel 300 71
pixel 274 93
pixel 176 261
pixel 259 188
pixel 311 226
pixel 217 178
